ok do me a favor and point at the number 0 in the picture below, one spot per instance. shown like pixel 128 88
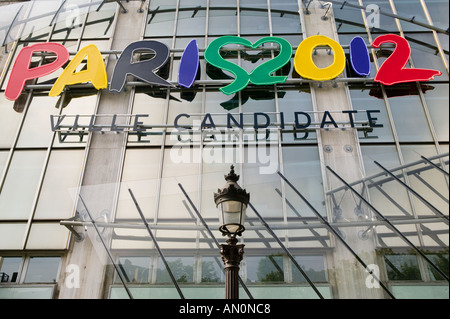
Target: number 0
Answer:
pixel 305 66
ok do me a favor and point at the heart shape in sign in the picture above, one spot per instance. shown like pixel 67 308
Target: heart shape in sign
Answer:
pixel 261 75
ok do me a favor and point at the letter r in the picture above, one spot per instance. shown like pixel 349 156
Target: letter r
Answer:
pixel 21 71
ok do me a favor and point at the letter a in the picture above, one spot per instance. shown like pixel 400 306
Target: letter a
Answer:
pixel 21 71
pixel 95 72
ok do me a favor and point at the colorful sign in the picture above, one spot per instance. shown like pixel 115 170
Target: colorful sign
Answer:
pixel 392 71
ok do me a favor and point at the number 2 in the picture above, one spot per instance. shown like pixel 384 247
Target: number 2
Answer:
pixel 393 70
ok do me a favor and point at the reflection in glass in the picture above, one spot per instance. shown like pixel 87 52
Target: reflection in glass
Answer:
pixel 409 119
pixel 137 269
pixel 222 21
pixel 363 100
pixel 263 186
pixel 285 17
pixel 402 267
pixel 302 169
pixel 313 266
pixel 388 195
pixel 254 18
pixel 441 261
pixel 426 181
pixel 42 270
pixel 212 270
pixel 191 22
pixel 99 23
pixel 182 269
pixel 146 103
pixel 160 23
pixel 265 269
pixel 9 267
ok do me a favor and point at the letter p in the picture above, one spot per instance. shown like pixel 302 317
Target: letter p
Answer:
pixel 21 71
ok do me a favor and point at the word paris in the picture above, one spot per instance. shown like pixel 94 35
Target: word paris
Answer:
pixel 392 71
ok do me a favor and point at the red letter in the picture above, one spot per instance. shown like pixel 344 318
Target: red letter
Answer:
pixel 21 71
pixel 393 70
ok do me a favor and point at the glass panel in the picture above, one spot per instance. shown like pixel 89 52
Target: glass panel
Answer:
pixel 193 21
pixel 222 21
pixel 411 9
pixel 81 102
pixel 265 269
pixel 439 16
pixel 160 23
pixel 42 270
pixel 424 54
pixel 254 17
pixel 386 196
pixel 40 18
pixel 420 292
pixel 348 19
pixel 297 101
pixel 146 102
pixel 371 100
pixel 182 269
pixel 69 20
pixel 409 119
pixel 302 169
pixel 48 236
pixel 99 23
pixel 18 192
pixel 140 174
pixel 441 261
pixel 10 117
pixel 402 267
pixel 10 266
pixel 263 186
pixel 172 200
pixel 285 17
pixel 437 101
pixel 26 292
pixel 429 183
pixel 12 235
pixel 62 175
pixel 313 266
pixel 202 292
pixel 137 269
pixel 212 270
pixel 36 131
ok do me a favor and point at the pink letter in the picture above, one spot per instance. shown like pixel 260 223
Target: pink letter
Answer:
pixel 21 71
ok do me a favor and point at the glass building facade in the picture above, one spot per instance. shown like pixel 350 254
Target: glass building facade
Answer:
pixel 348 174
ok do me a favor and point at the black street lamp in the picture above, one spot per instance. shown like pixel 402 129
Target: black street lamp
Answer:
pixel 232 203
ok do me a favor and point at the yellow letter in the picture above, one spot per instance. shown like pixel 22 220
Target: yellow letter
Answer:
pixel 305 66
pixel 95 72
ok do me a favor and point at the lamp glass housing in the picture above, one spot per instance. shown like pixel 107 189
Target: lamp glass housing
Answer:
pixel 232 216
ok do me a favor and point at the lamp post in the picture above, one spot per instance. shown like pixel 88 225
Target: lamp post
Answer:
pixel 232 203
